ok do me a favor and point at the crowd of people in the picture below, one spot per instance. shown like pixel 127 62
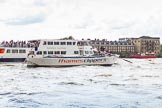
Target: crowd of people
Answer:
pixel 23 44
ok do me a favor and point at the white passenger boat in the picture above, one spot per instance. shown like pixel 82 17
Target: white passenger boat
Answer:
pixel 15 51
pixel 63 53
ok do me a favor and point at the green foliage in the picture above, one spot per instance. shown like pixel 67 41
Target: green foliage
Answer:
pixel 124 54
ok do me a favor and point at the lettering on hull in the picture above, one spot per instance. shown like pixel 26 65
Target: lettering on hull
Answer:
pixel 95 60
pixel 82 61
pixel 70 61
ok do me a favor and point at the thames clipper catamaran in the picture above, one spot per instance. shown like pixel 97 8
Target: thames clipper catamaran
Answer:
pixel 63 53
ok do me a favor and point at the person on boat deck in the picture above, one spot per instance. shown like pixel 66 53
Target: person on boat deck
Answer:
pixel 19 44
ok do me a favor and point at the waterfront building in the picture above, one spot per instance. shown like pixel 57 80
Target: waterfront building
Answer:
pixel 160 50
pixel 116 47
pixel 146 45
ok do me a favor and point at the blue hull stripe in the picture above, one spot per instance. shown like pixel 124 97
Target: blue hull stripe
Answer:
pixel 12 59
pixel 67 65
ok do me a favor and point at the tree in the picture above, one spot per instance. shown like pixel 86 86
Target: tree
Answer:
pixel 68 38
pixel 71 38
pixel 124 54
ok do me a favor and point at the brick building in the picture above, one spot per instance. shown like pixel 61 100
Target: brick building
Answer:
pixel 113 46
pixel 146 44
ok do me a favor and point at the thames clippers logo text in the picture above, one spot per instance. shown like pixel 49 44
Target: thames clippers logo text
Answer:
pixel 82 61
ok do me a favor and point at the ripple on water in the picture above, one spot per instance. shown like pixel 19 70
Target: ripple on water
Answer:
pixel 70 83
pixel 150 76
pixel 81 105
pixel 5 93
pixel 138 92
pixel 159 97
pixel 26 103
pixel 126 106
pixel 32 93
pixel 103 75
pixel 115 84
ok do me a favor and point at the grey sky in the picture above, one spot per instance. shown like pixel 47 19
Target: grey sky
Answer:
pixel 110 19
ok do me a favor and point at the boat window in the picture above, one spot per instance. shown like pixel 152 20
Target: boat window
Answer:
pixel 78 43
pixel 63 52
pixel 91 52
pixel 8 51
pixel 57 52
pixel 81 52
pixel 31 52
pixel 14 51
pixel 44 52
pixel 74 43
pixel 97 43
pixel 22 51
pixel 50 52
pixel 56 43
pixel 39 53
pixel 76 52
pixel 86 52
pixel 63 43
pixel 69 43
pixel 50 43
pixel 44 43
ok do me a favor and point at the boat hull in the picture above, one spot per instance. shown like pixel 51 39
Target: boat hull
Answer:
pixel 12 59
pixel 68 62
pixel 142 56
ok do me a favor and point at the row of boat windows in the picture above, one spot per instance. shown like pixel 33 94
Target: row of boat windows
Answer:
pixel 59 43
pixel 61 52
pixel 54 52
pixel 16 51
